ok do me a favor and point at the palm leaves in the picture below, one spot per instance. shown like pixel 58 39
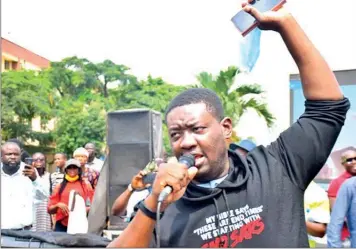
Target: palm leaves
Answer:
pixel 236 102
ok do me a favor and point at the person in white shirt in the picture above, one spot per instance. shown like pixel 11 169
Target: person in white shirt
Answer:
pixel 93 162
pixel 19 186
pixel 317 214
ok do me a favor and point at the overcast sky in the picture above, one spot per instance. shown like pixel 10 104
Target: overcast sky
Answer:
pixel 177 39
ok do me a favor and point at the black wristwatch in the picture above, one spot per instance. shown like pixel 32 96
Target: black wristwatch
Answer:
pixel 141 205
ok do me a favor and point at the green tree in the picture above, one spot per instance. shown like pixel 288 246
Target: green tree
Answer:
pixel 79 123
pixel 75 76
pixel 236 102
pixel 25 95
pixel 109 72
pixel 69 77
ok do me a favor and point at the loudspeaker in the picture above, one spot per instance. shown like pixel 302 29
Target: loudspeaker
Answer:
pixel 134 138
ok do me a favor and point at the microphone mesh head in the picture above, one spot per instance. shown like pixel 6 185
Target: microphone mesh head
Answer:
pixel 188 159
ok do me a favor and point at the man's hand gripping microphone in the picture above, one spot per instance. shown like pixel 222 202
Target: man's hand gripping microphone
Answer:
pixel 187 160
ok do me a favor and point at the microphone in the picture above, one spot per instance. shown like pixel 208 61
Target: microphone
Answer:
pixel 185 159
pixel 189 161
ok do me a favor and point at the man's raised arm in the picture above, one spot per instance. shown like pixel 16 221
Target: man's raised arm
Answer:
pixel 304 147
pixel 319 82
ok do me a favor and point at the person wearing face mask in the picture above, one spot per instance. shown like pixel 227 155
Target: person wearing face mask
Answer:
pixel 42 221
pixel 58 202
pixel 20 186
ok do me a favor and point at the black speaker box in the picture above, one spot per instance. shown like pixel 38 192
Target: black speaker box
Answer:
pixel 134 138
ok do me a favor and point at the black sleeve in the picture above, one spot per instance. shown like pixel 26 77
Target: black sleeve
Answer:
pixel 305 146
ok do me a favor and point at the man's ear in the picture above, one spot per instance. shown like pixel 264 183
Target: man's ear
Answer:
pixel 226 125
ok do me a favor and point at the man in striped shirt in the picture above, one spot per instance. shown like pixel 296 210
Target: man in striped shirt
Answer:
pixel 57 177
pixel 60 160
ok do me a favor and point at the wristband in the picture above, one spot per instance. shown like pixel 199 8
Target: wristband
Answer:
pixel 130 188
pixel 148 212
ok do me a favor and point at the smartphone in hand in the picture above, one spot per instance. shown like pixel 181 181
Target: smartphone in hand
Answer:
pixel 245 23
pixel 28 161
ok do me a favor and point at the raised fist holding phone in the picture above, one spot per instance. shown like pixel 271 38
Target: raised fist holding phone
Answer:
pixel 270 20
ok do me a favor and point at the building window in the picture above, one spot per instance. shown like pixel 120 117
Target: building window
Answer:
pixel 14 65
pixel 7 65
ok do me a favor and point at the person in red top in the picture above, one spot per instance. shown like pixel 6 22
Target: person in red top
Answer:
pixel 348 160
pixel 58 201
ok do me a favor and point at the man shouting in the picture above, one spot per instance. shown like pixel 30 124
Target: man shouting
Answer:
pixel 227 200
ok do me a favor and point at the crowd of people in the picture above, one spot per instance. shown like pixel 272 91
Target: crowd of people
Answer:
pixel 33 198
pixel 50 192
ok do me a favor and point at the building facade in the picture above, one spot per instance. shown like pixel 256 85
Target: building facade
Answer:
pixel 15 57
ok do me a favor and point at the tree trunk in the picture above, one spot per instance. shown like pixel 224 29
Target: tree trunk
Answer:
pixel 60 92
pixel 106 94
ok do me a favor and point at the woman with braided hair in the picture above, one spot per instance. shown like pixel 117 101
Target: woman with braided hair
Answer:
pixel 58 201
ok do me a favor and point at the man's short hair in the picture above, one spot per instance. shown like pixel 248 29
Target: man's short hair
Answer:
pixel 7 143
pixel 195 96
pixel 90 143
pixel 16 141
pixel 61 153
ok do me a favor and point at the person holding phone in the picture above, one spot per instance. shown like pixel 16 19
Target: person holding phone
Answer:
pixel 19 187
pixel 228 200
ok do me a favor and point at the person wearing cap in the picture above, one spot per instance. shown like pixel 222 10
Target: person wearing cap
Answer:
pixel 243 147
pixel 58 201
pixel 91 175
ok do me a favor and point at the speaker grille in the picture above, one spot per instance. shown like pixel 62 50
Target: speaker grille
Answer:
pixel 134 138
pixel 129 127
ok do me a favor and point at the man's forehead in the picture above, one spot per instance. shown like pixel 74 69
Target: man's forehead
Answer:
pixel 80 155
pixel 349 153
pixel 187 113
pixel 38 155
pixel 11 147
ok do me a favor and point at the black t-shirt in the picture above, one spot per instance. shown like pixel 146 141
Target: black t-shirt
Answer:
pixel 260 203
